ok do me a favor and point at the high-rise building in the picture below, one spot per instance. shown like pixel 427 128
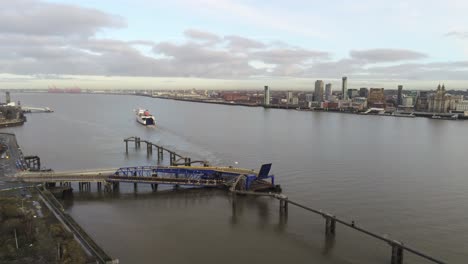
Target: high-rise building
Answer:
pixel 400 98
pixel 344 88
pixel 328 91
pixel 363 92
pixel 318 94
pixel 289 96
pixel 440 101
pixel 266 98
pixel 376 97
pixel 422 101
pixel 352 93
pixel 7 97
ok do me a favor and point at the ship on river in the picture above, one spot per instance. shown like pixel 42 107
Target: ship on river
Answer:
pixel 145 118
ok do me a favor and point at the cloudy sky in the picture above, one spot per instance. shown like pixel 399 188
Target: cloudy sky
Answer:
pixel 233 44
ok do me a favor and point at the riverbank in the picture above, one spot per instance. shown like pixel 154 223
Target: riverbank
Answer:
pixel 12 123
pixel 11 116
pixel 43 232
pixel 30 233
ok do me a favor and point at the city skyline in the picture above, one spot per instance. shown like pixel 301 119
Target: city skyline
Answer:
pixel 232 44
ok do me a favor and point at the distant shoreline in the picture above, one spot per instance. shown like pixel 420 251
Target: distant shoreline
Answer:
pixel 444 116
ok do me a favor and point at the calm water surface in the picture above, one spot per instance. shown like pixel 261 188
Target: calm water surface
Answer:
pixel 406 178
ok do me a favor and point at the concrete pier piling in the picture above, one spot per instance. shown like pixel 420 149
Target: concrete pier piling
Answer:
pixel 137 142
pixel 108 187
pixel 283 205
pixel 160 153
pixel 172 158
pixel 397 253
pixel 149 149
pixel 330 225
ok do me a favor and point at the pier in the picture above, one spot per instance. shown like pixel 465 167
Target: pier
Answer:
pixel 174 158
pixel 29 109
pixel 238 181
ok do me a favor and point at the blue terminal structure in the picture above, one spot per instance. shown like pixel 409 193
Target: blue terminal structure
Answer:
pixel 243 179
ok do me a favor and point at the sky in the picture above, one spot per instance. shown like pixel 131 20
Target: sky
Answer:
pixel 228 44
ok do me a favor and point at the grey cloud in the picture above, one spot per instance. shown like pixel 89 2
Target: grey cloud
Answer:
pixel 386 55
pixel 457 34
pixel 240 43
pixel 197 60
pixel 38 37
pixel 457 70
pixel 34 17
pixel 334 69
pixel 288 56
pixel 201 35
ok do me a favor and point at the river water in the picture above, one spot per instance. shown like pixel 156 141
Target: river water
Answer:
pixel 405 178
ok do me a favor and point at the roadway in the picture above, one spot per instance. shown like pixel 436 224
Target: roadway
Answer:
pixel 10 154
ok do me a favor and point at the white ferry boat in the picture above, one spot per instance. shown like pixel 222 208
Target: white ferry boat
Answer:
pixel 145 118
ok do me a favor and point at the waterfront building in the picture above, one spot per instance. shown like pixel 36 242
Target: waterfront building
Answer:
pixel 422 103
pixel 399 96
pixel 406 101
pixel 462 106
pixel 315 104
pixel 232 97
pixel 344 88
pixel 363 92
pixel 376 98
pixel 289 96
pixel 454 101
pixel 352 93
pixel 318 93
pixel 344 104
pixel 266 96
pixel 295 100
pixel 442 102
pixel 438 102
pixel 309 97
pixel 333 98
pixel 359 103
pixel 328 91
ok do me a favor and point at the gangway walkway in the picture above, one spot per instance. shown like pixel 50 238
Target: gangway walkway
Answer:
pixel 168 175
